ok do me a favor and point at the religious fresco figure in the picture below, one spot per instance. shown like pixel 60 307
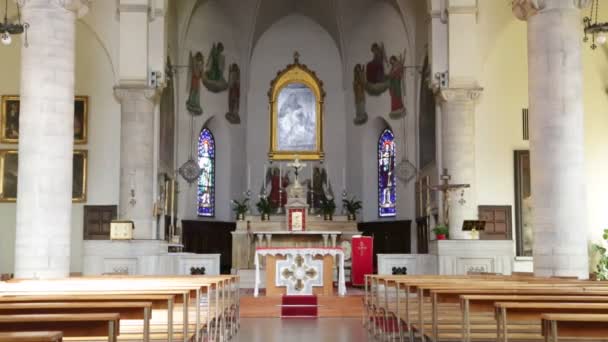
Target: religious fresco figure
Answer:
pixel 359 90
pixel 234 94
pixel 213 77
pixel 193 104
pixel 395 77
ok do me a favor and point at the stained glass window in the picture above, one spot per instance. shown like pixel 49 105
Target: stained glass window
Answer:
pixel 387 187
pixel 206 182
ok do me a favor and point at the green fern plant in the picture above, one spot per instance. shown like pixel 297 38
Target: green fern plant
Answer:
pixel 602 265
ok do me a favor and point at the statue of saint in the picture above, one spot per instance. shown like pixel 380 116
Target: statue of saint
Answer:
pixel 395 77
pixel 234 94
pixel 359 91
pixel 193 104
pixel 278 183
pixel 215 63
pixel 375 67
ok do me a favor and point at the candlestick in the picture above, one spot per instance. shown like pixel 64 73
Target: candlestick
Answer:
pixel 312 178
pixel 343 178
pixel 280 176
pixel 264 179
pixel 248 176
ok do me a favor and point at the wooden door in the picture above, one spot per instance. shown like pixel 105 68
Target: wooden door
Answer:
pixel 498 222
pixel 97 219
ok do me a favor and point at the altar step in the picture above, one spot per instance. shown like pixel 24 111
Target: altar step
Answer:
pixel 329 306
pixel 302 306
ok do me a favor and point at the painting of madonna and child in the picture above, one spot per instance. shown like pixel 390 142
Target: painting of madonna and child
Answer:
pixel 297 118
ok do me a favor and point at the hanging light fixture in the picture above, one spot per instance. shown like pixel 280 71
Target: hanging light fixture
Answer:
pixel 7 29
pixel 593 28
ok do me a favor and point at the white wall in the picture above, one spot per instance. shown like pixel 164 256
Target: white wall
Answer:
pixel 210 24
pixel 94 78
pixel 379 23
pixel 272 53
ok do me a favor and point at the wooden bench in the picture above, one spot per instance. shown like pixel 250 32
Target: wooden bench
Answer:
pixel 574 326
pixel 32 336
pixel 498 284
pixel 73 325
pixel 223 308
pixel 127 310
pixel 532 311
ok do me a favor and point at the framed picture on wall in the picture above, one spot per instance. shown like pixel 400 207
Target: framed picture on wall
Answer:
pixel 9 162
pixel 523 204
pixel 9 120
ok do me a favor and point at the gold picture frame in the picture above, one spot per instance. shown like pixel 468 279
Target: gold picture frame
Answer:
pixel 9 120
pixel 296 98
pixel 9 161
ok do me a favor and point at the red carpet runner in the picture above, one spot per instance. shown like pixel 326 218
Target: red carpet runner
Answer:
pixel 299 306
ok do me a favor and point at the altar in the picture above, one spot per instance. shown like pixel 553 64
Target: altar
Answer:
pixel 300 271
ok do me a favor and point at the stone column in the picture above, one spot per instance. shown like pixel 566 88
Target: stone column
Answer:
pixel 458 153
pixel 46 138
pixel 137 157
pixel 555 86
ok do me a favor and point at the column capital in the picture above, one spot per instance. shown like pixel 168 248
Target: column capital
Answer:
pixel 524 9
pixel 131 92
pixel 459 94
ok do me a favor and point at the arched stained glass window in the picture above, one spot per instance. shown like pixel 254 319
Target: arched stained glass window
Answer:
pixel 387 186
pixel 206 182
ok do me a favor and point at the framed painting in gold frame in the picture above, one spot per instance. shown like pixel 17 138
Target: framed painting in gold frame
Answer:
pixel 9 161
pixel 80 170
pixel 296 99
pixel 9 122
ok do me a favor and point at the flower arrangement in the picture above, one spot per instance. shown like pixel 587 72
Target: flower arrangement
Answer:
pixel 602 265
pixel 240 208
pixel 441 231
pixel 352 206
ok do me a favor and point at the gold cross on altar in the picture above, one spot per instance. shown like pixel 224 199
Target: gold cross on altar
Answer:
pixel 445 189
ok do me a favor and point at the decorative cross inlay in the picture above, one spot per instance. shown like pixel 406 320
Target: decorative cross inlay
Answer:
pixel 299 274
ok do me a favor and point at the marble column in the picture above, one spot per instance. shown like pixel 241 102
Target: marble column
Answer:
pixel 46 139
pixel 458 153
pixel 555 86
pixel 137 178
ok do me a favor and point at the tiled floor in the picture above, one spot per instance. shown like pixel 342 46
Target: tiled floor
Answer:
pixel 301 330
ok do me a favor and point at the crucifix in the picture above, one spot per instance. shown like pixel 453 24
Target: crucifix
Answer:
pixel 297 166
pixel 445 189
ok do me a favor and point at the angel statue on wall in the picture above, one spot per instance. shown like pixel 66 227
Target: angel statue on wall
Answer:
pixel 359 90
pixel 213 77
pixel 195 67
pixel 234 94
pixel 396 87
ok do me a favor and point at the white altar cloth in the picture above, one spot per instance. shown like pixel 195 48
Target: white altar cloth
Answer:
pixel 333 251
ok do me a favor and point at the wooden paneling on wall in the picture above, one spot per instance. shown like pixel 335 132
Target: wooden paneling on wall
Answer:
pixel 389 236
pixel 210 237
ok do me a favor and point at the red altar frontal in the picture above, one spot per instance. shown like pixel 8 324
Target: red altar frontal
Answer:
pixel 362 259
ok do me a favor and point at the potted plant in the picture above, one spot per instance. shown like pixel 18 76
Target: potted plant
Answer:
pixel 441 231
pixel 352 206
pixel 264 207
pixel 601 272
pixel 328 207
pixel 240 208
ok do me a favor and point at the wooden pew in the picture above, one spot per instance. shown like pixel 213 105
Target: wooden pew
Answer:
pixel 73 325
pixel 532 311
pixel 484 304
pixel 505 285
pixel 127 310
pixel 574 326
pixel 225 288
pixel 32 336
